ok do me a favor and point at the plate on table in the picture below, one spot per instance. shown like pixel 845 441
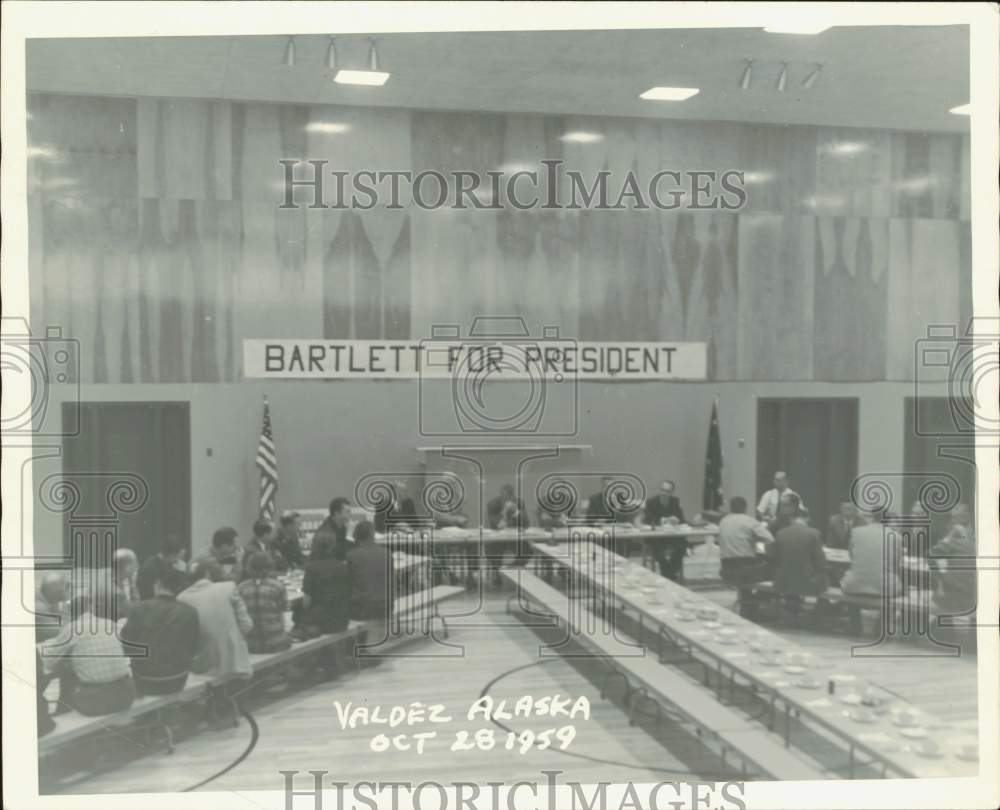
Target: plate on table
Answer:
pixel 850 698
pixel 928 749
pixel 906 718
pixel 862 716
pixel 914 732
pixel 794 669
pixel 768 662
pixel 967 750
pixel 726 639
pixel 840 677
pixel 682 616
pixel 808 682
pixel 880 740
pixel 712 625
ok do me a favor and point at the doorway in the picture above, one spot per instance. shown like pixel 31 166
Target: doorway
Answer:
pixel 816 442
pixel 124 443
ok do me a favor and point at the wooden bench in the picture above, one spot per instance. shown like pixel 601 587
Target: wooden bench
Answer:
pixel 73 725
pixel 422 606
pixel 661 684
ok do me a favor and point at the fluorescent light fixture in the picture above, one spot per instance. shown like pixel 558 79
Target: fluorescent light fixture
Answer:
pixel 916 184
pixel 747 75
pixel 846 148
pixel 40 152
pixel 796 28
pixel 782 78
pixel 327 127
pixel 963 109
pixel 331 55
pixel 511 168
pixel 369 78
pixel 582 137
pixel 757 177
pixel 289 58
pixel 669 93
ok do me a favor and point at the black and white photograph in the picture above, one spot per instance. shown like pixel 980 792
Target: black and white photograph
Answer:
pixel 458 405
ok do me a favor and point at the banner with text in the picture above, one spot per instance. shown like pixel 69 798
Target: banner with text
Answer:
pixel 514 359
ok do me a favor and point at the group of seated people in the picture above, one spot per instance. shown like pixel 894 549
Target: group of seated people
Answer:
pixel 136 630
pixel 780 546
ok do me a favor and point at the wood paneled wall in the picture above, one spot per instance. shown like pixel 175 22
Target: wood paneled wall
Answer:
pixel 157 242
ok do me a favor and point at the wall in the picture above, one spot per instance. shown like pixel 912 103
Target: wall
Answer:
pixel 155 242
pixel 329 435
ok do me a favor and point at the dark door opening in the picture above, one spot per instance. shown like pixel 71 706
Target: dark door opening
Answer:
pixel 118 443
pixel 815 441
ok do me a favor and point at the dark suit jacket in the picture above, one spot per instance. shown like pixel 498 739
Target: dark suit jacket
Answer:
pixel 494 511
pixel 328 584
pixel 404 512
pixel 655 510
pixel 372 574
pixel 598 510
pixel 800 567
pixel 838 532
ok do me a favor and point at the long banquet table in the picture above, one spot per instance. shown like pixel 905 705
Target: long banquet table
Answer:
pixel 902 737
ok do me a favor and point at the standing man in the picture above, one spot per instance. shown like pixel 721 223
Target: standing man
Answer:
pixel 338 521
pixel 767 509
pixel 664 509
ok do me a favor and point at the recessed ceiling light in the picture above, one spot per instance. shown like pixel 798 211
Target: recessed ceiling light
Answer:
pixel 796 28
pixel 327 127
pixel 45 152
pixel 669 93
pixel 964 109
pixel 582 137
pixel 369 78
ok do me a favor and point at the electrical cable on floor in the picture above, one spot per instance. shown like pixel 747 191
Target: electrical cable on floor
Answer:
pixel 254 736
pixel 636 766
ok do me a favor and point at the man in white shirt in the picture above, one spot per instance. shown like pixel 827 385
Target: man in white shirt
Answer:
pixel 767 509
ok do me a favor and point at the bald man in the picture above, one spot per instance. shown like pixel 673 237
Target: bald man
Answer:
pixel 767 509
pixel 126 571
pixel 49 605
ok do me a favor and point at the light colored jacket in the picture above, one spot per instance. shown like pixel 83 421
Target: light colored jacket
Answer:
pixel 871 547
pixel 223 621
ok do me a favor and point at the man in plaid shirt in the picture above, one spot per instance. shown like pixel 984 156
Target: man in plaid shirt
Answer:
pixel 88 658
pixel 266 603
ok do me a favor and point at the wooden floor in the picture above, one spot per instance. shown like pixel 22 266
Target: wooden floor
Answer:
pixel 301 731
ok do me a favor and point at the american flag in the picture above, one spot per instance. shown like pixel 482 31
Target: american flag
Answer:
pixel 267 462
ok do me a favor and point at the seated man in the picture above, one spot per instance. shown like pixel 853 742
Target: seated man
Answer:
pixel 326 589
pixel 286 549
pixel 741 562
pixel 876 557
pixel 49 606
pixel 372 577
pixel 171 554
pixel 606 507
pixel 223 621
pixel 168 630
pixel 225 552
pixel 400 510
pixel 665 509
pixel 89 661
pixel 955 585
pixel 799 563
pixel 506 511
pixel 263 537
pixel 266 601
pixel 840 525
pixel 125 568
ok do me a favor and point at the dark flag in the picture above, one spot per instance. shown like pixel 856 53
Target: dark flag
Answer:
pixel 712 497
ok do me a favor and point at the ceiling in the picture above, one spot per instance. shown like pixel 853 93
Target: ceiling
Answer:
pixel 904 77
